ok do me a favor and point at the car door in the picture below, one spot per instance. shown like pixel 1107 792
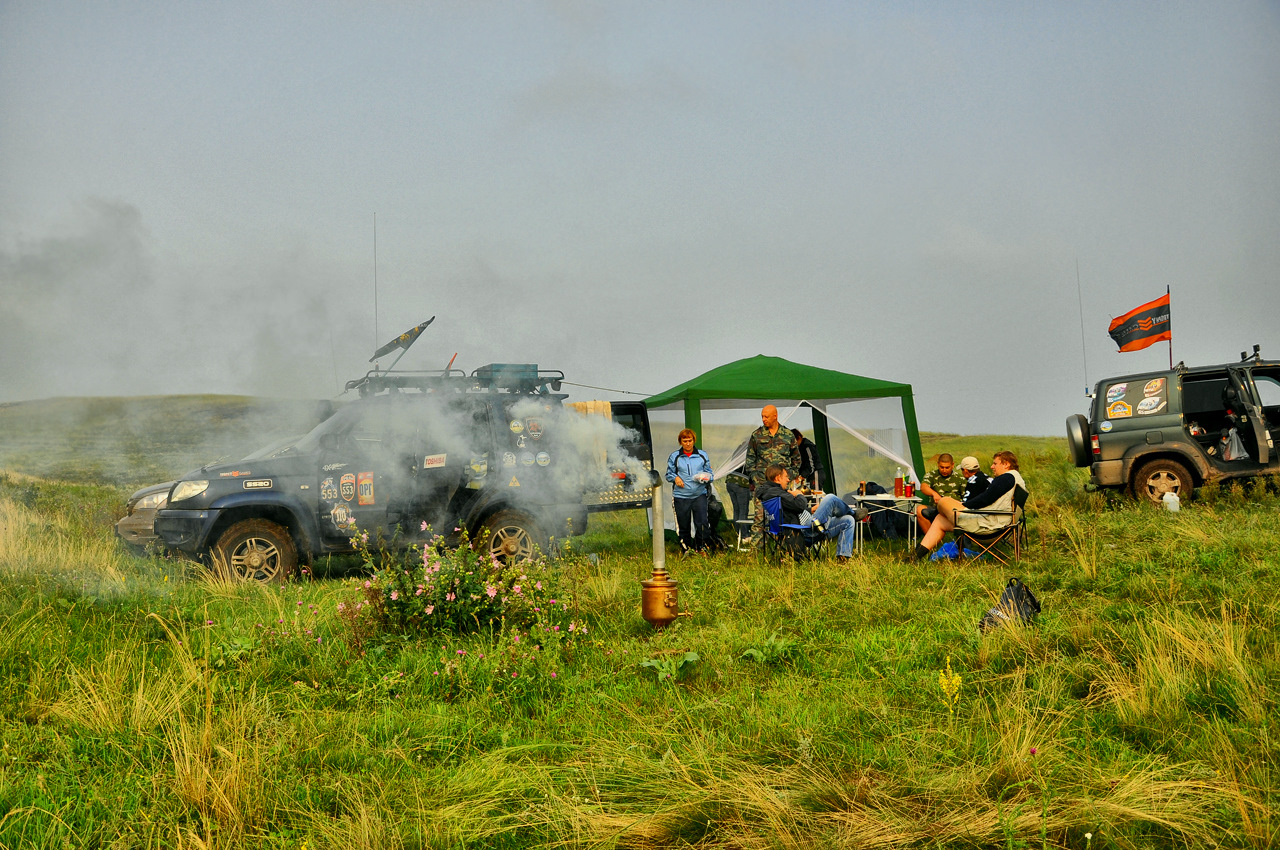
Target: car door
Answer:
pixel 1266 389
pixel 1248 397
pixel 365 469
pixel 453 463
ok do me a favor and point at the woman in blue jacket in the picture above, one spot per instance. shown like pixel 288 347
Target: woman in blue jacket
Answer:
pixel 689 472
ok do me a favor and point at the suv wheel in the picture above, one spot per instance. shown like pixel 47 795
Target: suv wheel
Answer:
pixel 258 550
pixel 512 536
pixel 1157 477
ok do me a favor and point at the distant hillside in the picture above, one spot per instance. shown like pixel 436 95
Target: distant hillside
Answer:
pixel 136 441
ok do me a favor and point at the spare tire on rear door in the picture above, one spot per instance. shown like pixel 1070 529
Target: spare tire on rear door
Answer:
pixel 1078 443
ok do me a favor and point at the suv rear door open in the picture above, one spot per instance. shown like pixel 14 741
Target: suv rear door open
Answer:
pixel 1256 426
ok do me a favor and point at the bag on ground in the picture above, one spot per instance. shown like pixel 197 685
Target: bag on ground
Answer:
pixel 1017 602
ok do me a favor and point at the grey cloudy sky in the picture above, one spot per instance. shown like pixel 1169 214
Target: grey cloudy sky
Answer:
pixel 634 192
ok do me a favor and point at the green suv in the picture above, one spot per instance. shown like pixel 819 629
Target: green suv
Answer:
pixel 1174 430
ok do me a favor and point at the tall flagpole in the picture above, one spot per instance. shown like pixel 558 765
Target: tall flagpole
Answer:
pixel 1167 295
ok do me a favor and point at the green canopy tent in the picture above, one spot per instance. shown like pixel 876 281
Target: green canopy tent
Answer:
pixel 756 381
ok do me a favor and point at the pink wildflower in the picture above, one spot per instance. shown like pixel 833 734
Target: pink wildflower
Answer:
pixel 491 591
pixel 430 608
pixel 424 525
pixel 395 594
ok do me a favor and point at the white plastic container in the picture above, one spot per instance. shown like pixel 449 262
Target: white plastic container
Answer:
pixel 1171 502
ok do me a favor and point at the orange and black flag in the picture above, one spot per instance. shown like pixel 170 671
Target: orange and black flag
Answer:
pixel 405 340
pixel 1142 326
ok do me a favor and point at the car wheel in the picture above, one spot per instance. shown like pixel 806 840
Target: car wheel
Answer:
pixel 1078 440
pixel 258 550
pixel 1158 477
pixel 512 537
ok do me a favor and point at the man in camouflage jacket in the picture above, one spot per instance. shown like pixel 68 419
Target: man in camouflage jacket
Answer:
pixel 938 483
pixel 770 444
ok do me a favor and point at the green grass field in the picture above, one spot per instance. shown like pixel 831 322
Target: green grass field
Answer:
pixel 147 703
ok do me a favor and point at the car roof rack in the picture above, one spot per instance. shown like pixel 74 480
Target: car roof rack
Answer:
pixel 505 378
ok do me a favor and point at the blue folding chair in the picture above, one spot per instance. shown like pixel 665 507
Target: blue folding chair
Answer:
pixel 796 541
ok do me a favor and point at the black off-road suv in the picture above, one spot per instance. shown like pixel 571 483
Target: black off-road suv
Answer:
pixel 1172 431
pixel 495 454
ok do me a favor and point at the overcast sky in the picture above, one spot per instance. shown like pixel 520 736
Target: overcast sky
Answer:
pixel 635 192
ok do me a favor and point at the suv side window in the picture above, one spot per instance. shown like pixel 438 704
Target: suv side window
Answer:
pixel 1202 401
pixel 1268 384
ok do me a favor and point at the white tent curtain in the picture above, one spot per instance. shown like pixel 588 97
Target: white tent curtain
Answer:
pixel 740 453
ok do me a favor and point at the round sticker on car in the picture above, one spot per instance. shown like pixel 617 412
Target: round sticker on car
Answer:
pixel 1105 426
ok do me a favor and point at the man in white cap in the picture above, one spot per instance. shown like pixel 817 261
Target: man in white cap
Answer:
pixel 973 483
pixel 975 479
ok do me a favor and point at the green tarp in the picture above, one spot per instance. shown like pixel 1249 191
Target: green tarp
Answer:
pixel 756 381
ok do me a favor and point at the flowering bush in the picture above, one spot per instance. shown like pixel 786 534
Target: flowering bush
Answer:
pixel 461 590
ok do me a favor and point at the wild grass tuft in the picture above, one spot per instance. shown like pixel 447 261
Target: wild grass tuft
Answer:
pixel 147 704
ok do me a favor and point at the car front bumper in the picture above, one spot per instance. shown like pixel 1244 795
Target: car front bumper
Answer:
pixel 185 530
pixel 138 529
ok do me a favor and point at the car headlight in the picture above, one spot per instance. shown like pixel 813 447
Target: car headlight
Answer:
pixel 187 489
pixel 152 501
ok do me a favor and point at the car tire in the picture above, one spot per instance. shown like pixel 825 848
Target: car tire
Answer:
pixel 1078 440
pixel 1157 477
pixel 257 550
pixel 511 536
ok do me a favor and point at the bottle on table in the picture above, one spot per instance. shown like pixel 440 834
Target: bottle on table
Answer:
pixel 898 484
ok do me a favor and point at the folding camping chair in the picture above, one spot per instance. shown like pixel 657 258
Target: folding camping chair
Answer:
pixel 797 541
pixel 1004 543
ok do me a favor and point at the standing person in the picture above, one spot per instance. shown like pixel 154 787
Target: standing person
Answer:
pixel 689 471
pixel 999 496
pixel 770 444
pixel 939 483
pixel 810 465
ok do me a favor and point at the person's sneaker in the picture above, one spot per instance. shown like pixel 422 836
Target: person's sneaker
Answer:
pixel 843 559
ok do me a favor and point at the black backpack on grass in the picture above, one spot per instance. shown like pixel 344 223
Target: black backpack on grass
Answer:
pixel 1017 601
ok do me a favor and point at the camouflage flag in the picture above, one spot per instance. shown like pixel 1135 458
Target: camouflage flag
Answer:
pixel 405 340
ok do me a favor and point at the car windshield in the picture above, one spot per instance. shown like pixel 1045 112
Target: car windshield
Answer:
pixel 338 423
pixel 276 449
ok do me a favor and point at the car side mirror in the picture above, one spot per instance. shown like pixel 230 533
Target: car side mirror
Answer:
pixel 329 442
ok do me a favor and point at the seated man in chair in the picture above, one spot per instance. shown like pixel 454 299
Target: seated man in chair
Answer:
pixel 1000 495
pixel 834 518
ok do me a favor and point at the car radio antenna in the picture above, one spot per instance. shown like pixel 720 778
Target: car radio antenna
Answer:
pixel 402 342
pixel 1083 354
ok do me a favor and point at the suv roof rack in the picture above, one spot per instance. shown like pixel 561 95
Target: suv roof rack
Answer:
pixel 510 378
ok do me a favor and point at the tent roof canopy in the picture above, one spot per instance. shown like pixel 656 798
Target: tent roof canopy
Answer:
pixel 743 383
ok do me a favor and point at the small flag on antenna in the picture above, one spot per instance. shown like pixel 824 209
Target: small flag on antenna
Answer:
pixel 1142 326
pixel 405 340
